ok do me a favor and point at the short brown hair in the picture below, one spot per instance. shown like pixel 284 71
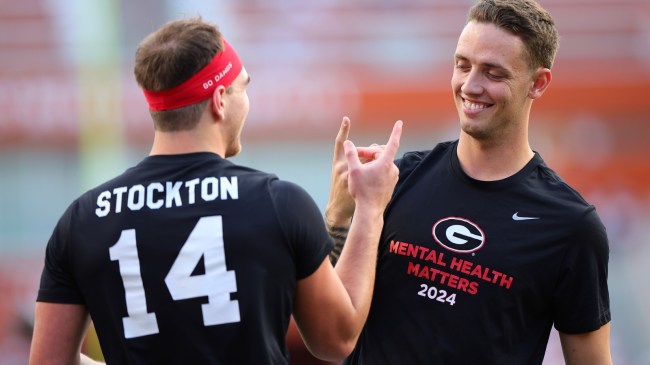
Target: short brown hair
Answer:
pixel 525 19
pixel 171 55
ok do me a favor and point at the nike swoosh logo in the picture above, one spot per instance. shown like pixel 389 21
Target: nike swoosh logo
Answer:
pixel 517 217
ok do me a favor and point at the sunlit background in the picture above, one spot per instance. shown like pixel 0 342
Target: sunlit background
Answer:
pixel 71 114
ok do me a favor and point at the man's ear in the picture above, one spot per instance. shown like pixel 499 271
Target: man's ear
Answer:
pixel 217 102
pixel 540 83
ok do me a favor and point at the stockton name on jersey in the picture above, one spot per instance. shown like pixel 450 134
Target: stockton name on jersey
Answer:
pixel 166 194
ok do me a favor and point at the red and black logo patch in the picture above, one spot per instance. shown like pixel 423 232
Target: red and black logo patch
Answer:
pixel 458 234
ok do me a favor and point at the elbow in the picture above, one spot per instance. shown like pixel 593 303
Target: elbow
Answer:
pixel 333 351
pixel 343 350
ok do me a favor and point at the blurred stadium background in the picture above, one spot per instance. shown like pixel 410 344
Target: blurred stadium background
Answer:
pixel 71 114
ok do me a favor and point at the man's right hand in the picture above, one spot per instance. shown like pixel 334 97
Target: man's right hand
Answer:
pixel 372 183
pixel 341 205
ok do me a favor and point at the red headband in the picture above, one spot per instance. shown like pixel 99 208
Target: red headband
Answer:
pixel 222 70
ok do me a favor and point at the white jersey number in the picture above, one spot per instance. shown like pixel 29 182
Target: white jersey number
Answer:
pixel 206 240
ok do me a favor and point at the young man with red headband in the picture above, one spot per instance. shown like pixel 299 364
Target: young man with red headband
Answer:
pixel 187 258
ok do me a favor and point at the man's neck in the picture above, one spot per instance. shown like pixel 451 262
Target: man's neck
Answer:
pixel 181 142
pixel 490 161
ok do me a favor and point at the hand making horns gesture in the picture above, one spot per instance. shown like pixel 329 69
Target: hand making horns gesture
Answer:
pixel 364 174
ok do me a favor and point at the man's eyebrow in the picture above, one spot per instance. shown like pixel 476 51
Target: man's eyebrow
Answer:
pixel 460 57
pixel 494 65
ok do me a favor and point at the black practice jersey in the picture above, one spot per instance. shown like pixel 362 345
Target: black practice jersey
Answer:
pixel 187 259
pixel 475 272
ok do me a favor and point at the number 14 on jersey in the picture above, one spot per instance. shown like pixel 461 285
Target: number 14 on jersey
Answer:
pixel 206 240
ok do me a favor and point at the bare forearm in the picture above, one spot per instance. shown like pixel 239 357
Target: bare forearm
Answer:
pixel 357 263
pixel 338 234
pixel 338 226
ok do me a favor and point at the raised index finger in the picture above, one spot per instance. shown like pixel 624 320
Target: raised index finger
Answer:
pixel 342 135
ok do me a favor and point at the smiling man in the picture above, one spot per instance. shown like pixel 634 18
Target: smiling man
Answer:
pixel 515 249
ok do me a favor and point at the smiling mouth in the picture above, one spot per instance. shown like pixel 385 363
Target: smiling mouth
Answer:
pixel 471 105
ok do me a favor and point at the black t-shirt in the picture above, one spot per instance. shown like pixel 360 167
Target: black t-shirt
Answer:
pixel 187 259
pixel 475 272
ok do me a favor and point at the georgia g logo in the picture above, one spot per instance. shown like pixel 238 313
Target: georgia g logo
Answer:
pixel 458 234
